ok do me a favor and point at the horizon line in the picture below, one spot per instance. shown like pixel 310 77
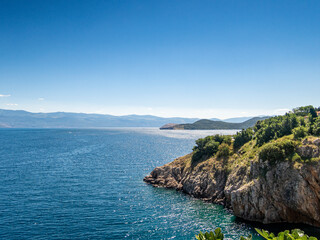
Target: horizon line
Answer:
pixel 133 114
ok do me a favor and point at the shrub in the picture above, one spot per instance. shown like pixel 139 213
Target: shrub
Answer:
pixel 222 139
pixel 266 134
pixel 300 132
pixel 208 146
pixel 288 146
pixel 277 151
pixel 227 139
pixel 285 235
pixel 316 127
pixel 211 148
pixel 302 122
pixel 202 142
pixel 223 150
pixel 216 235
pixel 271 153
pixel 277 127
pixel 196 156
pixel 242 138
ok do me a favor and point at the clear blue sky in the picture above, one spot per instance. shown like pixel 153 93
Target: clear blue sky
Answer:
pixel 166 58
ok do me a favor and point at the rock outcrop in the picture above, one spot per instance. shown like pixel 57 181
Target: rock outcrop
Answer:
pixel 254 190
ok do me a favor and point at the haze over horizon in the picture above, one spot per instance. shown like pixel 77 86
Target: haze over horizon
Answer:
pixel 193 115
pixel 207 59
pixel 126 115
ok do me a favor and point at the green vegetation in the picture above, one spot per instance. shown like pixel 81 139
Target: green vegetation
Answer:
pixel 301 122
pixel 205 124
pixel 296 157
pixel 209 146
pixel 242 137
pixel 304 111
pixel 273 139
pixel 223 150
pixel 300 132
pixel 275 127
pixel 216 235
pixel 285 235
pixel 316 127
pixel 277 151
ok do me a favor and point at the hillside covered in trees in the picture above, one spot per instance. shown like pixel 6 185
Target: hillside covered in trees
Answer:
pixel 206 124
pixel 268 173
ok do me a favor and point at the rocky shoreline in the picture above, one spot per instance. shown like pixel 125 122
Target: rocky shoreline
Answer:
pixel 254 190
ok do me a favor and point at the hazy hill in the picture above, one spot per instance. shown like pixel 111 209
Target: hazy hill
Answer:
pixel 24 119
pixel 205 124
pixel 233 120
pixel 236 120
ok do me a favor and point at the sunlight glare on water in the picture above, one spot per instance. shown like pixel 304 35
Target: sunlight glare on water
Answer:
pixel 87 184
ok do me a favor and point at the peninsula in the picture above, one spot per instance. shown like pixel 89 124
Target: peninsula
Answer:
pixel 207 124
pixel 268 173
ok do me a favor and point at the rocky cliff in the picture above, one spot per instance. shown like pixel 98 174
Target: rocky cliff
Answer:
pixel 288 191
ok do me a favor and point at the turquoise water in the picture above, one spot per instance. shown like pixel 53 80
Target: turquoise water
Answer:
pixel 87 184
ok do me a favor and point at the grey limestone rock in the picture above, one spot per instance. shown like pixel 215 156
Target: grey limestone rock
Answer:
pixel 284 192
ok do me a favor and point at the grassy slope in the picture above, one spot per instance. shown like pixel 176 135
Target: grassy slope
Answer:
pixel 243 157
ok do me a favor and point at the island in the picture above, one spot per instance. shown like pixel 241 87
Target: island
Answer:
pixel 207 124
pixel 267 173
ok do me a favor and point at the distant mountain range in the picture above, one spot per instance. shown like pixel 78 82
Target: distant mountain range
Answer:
pixel 206 124
pixel 24 119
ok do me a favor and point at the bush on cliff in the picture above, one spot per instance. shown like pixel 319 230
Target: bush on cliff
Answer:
pixel 271 153
pixel 223 150
pixel 227 139
pixel 316 127
pixel 209 146
pixel 277 151
pixel 285 235
pixel 300 122
pixel 242 138
pixel 300 132
pixel 288 146
pixel 275 127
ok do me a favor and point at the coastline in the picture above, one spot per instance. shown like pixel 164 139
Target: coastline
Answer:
pixel 254 191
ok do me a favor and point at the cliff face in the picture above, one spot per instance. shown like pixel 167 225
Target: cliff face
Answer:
pixel 283 192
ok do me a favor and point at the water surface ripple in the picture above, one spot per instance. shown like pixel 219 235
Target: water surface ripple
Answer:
pixel 87 184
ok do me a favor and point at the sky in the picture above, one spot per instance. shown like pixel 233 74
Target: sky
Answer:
pixel 166 58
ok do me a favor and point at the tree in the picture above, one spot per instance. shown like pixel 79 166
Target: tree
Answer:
pixel 300 132
pixel 242 138
pixel 316 127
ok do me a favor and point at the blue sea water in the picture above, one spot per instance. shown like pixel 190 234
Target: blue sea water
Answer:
pixel 87 184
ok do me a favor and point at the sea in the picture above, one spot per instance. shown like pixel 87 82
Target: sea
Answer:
pixel 88 184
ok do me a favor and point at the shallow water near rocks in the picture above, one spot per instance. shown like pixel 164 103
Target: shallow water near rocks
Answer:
pixel 87 184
